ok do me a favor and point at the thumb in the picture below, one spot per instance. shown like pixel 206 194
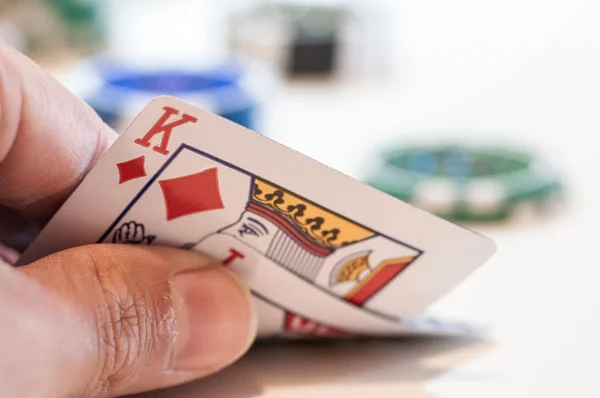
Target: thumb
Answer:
pixel 111 320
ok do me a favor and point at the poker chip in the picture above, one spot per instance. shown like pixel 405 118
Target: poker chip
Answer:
pixel 123 91
pixel 469 184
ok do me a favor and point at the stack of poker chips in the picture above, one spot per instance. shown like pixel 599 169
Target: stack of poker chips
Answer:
pixel 124 90
pixel 475 184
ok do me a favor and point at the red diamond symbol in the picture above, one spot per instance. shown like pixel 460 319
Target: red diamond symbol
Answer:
pixel 131 169
pixel 195 193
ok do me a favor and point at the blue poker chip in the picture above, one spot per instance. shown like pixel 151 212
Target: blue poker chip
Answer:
pixel 124 91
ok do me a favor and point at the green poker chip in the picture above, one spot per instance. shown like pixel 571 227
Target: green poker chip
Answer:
pixel 469 184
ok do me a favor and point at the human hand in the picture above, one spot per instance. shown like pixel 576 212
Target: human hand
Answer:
pixel 101 320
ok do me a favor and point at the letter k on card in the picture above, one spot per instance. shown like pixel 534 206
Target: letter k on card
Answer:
pixel 163 129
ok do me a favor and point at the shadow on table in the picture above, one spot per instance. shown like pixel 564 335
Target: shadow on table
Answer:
pixel 277 364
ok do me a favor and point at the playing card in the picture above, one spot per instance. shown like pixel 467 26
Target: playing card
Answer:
pixel 313 244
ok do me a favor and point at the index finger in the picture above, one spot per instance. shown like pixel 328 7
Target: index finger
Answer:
pixel 49 139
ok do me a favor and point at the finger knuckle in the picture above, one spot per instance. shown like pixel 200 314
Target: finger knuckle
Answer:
pixel 126 324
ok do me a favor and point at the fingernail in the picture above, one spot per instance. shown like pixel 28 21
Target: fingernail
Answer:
pixel 215 320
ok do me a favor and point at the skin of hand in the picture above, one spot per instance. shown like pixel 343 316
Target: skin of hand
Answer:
pixel 101 320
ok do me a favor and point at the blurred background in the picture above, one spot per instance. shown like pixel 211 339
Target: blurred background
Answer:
pixel 485 113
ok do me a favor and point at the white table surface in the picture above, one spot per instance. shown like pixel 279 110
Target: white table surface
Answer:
pixel 517 70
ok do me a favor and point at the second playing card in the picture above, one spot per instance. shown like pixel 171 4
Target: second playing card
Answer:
pixel 303 236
